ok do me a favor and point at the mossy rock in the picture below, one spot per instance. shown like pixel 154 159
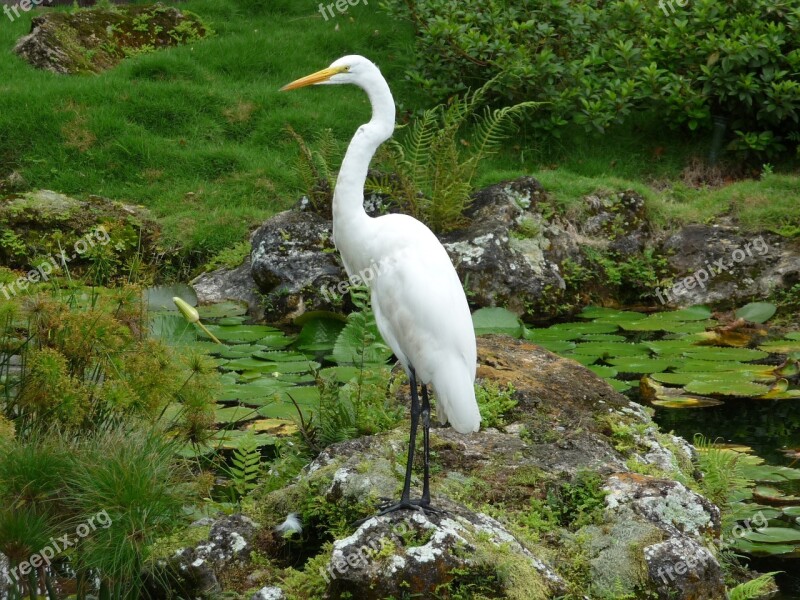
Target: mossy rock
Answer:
pixel 97 233
pixel 92 41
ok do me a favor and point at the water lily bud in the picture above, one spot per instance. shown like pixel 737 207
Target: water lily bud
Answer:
pixel 189 312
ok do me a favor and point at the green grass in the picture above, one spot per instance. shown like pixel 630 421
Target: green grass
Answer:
pixel 657 163
pixel 196 133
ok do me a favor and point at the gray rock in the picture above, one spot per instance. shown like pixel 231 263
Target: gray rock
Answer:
pixel 497 267
pixel 414 553
pixel 668 504
pixel 733 266
pixel 192 572
pixel 294 264
pixel 230 284
pixel 681 568
pixel 269 593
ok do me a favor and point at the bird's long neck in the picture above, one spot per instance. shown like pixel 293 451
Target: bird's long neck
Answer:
pixel 349 217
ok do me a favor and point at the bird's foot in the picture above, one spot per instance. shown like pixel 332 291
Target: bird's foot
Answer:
pixel 389 507
pixel 422 505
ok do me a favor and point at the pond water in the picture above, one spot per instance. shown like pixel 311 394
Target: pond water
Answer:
pixel 768 427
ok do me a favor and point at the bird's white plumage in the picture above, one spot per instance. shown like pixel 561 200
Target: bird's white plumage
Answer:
pixel 419 304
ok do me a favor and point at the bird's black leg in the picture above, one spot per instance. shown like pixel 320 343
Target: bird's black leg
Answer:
pixel 425 501
pixel 405 498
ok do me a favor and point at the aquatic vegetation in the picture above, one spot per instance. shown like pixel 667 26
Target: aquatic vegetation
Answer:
pixel 699 360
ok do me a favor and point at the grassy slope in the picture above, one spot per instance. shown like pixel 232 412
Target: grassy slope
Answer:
pixel 196 133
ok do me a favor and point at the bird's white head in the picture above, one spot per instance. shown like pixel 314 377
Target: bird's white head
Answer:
pixel 352 69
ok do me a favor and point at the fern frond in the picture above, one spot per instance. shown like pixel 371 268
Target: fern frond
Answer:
pixel 494 127
pixel 754 588
pixel 245 466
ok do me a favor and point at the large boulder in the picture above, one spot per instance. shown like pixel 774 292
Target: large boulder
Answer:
pixel 718 264
pixel 98 233
pixel 560 435
pixel 91 41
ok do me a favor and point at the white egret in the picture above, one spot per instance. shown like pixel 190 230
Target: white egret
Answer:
pixel 419 304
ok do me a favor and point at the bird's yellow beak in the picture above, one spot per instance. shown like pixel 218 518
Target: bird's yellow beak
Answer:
pixel 317 77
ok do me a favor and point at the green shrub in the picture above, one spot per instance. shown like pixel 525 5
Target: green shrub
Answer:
pixel 595 62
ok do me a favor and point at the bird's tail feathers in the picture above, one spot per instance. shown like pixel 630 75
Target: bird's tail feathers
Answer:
pixel 455 397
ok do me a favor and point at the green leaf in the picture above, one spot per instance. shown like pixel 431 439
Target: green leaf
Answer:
pixel 773 535
pixel 319 334
pixel 234 414
pixel 556 346
pixel 360 342
pixel 610 349
pixel 718 354
pixel 756 312
pixel 602 370
pixel 549 335
pixel 584 328
pixel 781 346
pixel 632 364
pixel 618 384
pixel 496 320
pixel 727 387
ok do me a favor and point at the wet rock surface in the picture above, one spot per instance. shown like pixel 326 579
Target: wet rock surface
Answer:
pixel 293 261
pixel 92 41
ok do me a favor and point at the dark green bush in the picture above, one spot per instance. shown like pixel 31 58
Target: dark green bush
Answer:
pixel 594 62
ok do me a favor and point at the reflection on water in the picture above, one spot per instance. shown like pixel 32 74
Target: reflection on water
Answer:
pixel 768 426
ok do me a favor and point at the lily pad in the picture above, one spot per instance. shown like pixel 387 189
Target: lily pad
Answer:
pixel 603 337
pixel 550 335
pixel 633 364
pixel 556 346
pixel 221 310
pixel 496 320
pixel 718 353
pixel 773 535
pixel 758 548
pixel 276 427
pixel 618 385
pixel 756 312
pixel 608 349
pixel 234 414
pixel 319 334
pixel 733 387
pixel 781 346
pixel 241 334
pixel 583 327
pixel 602 370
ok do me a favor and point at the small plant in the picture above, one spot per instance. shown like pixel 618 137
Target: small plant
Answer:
pixel 494 402
pixel 246 466
pixel 441 165
pixel 313 168
pixel 755 588
pixel 722 472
